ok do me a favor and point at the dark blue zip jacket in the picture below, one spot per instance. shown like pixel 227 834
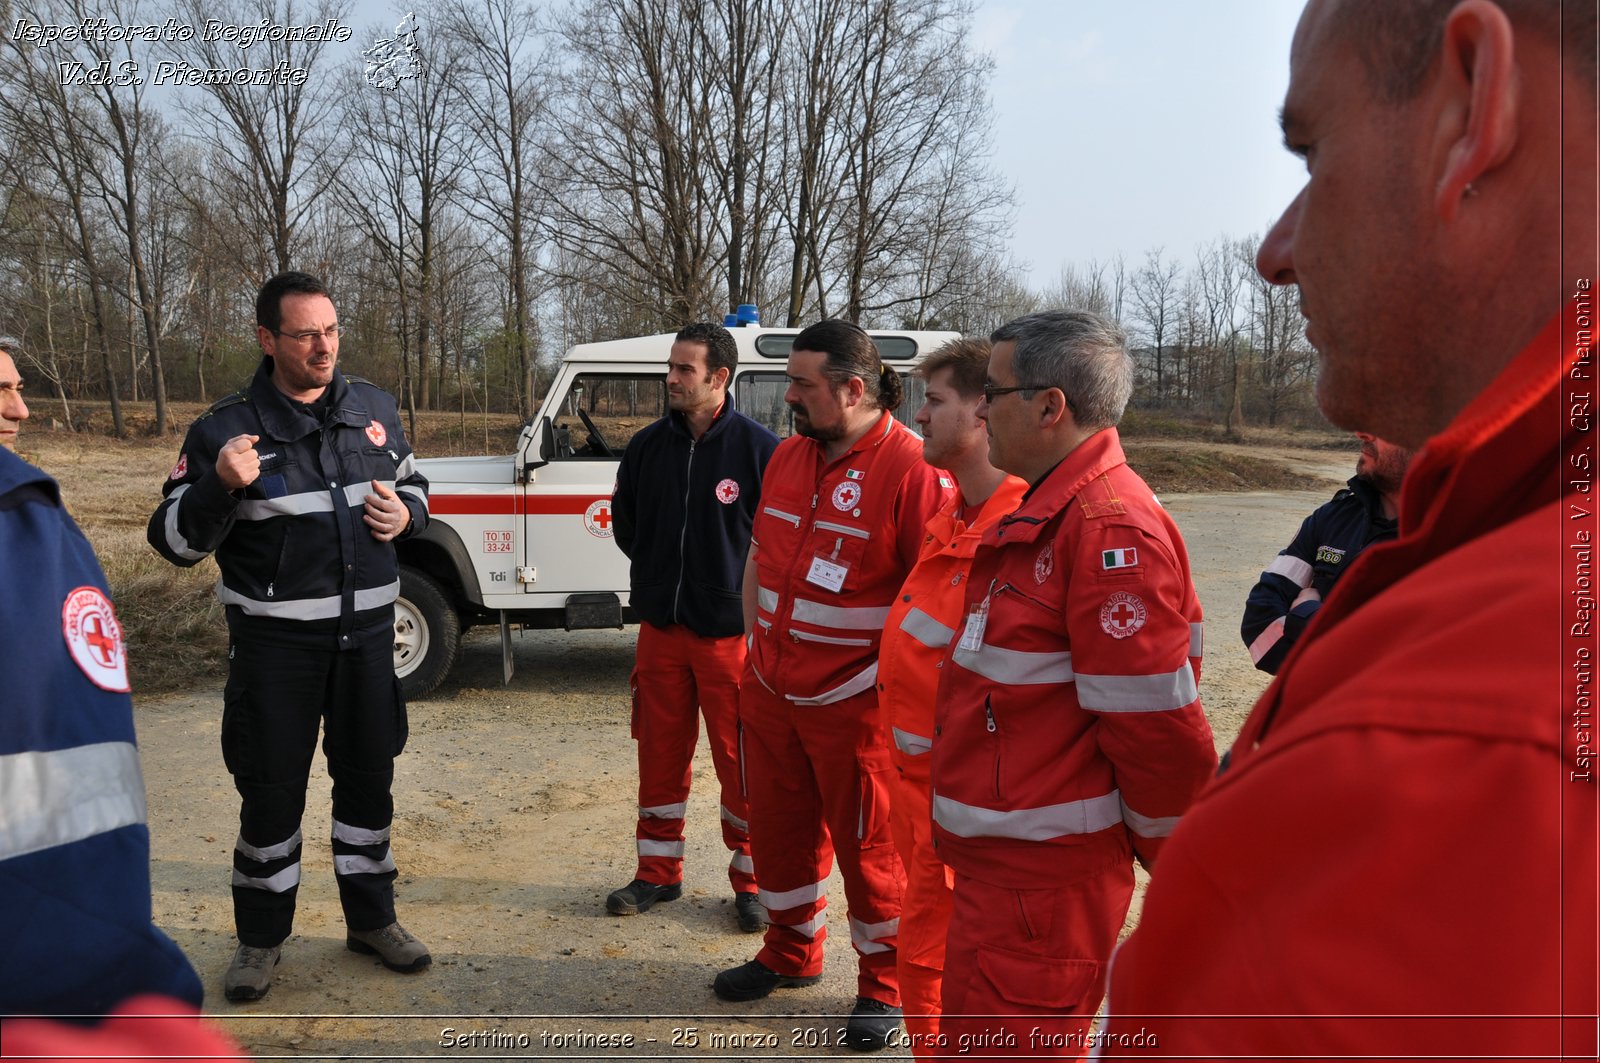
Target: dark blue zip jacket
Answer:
pixel 683 510
pixel 1328 543
pixel 75 928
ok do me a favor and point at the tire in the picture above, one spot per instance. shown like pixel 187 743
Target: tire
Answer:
pixel 427 634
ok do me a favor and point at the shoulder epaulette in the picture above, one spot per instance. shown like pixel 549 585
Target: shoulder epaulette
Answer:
pixel 226 401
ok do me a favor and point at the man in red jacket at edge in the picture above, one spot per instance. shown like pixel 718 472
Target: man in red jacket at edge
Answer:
pixel 843 505
pixel 1399 858
pixel 1068 730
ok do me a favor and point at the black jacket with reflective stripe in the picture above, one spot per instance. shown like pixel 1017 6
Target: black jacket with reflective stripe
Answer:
pixel 298 562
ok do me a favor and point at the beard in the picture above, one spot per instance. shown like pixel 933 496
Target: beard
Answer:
pixel 804 425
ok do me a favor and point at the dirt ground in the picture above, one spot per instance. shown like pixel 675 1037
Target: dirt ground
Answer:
pixel 514 819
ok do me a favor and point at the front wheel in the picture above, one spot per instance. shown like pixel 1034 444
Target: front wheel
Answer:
pixel 427 633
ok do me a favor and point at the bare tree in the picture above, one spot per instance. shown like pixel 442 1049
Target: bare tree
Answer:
pixel 1155 293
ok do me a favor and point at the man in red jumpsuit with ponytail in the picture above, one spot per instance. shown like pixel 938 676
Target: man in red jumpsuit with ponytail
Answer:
pixel 843 505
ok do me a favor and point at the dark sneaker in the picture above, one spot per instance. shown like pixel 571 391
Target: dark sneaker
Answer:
pixel 639 896
pixel 752 917
pixel 872 1024
pixel 754 980
pixel 392 944
pixel 250 974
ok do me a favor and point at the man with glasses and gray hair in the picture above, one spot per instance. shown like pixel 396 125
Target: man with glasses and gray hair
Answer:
pixel 1069 735
pixel 300 484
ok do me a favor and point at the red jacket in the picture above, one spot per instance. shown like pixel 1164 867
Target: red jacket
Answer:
pixel 1069 720
pixel 924 619
pixel 1407 827
pixel 834 542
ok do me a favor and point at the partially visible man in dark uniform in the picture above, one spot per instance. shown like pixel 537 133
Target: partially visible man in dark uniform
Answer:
pixel 684 504
pixel 74 848
pixel 301 483
pixel 1291 590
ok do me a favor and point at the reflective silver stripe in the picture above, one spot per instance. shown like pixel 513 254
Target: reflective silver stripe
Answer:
pixel 653 848
pixel 1268 638
pixel 62 796
pixel 362 865
pixel 308 608
pixel 1197 640
pixel 738 823
pixel 865 936
pixel 926 630
pixel 270 852
pixel 1029 824
pixel 848 689
pixel 1016 666
pixel 853 618
pixel 781 515
pixel 407 466
pixel 764 622
pixel 911 745
pixel 296 505
pixel 415 492
pixel 811 927
pixel 662 811
pixel 344 832
pixel 1138 693
pixel 1293 568
pixel 175 539
pixel 741 862
pixel 843 529
pixel 355 495
pixel 830 640
pixel 794 898
pixel 286 879
pixel 766 599
pixel 1148 826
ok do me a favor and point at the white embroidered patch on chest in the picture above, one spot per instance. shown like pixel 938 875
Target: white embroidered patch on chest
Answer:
pixel 846 495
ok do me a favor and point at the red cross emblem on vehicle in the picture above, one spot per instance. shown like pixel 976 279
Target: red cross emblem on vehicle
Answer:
pixel 1122 615
pixel 597 518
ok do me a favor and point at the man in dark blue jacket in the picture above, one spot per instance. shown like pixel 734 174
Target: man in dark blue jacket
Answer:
pixel 300 484
pixel 1292 588
pixel 75 929
pixel 684 504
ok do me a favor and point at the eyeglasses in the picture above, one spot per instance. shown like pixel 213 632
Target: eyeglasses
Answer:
pixel 305 338
pixel 990 391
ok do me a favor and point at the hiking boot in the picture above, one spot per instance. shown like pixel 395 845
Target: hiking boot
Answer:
pixel 638 896
pixel 250 974
pixel 872 1024
pixel 392 944
pixel 752 917
pixel 754 980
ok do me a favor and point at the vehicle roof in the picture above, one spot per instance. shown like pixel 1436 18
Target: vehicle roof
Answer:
pixel 653 349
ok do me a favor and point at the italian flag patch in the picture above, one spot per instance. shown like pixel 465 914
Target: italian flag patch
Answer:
pixel 1124 558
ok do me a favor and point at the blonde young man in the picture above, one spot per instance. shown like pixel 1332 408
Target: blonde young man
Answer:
pixel 922 621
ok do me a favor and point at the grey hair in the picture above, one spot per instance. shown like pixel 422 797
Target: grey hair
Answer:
pixel 11 345
pixel 1080 352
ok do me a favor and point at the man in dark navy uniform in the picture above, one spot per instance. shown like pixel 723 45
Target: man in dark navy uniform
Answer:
pixel 300 484
pixel 75 922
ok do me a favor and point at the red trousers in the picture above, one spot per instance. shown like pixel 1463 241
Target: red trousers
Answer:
pixel 677 676
pixel 925 915
pixel 1026 968
pixel 817 780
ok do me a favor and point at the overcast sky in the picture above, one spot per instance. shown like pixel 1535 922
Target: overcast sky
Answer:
pixel 1128 125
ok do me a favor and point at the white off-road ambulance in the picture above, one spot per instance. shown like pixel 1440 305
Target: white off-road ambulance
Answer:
pixel 525 539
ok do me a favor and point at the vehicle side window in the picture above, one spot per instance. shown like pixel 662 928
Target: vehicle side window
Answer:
pixel 759 395
pixel 601 412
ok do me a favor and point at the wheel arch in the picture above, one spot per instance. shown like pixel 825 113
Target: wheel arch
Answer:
pixel 439 551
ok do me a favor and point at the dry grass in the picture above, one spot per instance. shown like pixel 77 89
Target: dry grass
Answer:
pixel 1170 470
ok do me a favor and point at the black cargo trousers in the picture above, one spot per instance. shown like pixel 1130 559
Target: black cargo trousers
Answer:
pixel 280 688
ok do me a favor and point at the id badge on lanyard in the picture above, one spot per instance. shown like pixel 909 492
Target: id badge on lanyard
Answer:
pixel 827 572
pixel 977 621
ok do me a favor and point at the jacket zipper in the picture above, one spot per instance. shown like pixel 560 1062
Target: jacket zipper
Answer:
pixel 992 728
pixel 683 532
pixel 283 552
